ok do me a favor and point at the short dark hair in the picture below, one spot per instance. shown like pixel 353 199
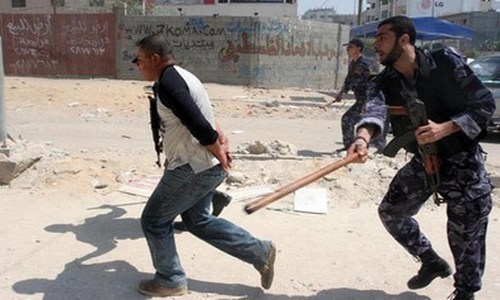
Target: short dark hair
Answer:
pixel 155 43
pixel 401 25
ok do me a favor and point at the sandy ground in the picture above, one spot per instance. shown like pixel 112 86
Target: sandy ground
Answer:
pixel 69 233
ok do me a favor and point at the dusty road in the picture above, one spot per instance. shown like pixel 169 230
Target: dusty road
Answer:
pixel 64 239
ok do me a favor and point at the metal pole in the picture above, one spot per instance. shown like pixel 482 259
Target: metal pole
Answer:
pixel 3 132
pixel 54 5
pixel 360 4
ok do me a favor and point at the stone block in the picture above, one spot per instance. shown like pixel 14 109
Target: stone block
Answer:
pixel 7 171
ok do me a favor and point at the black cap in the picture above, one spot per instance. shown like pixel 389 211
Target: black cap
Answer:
pixel 356 42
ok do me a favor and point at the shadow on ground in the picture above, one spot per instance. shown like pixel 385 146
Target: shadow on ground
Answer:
pixel 310 153
pixel 102 231
pixel 242 292
pixel 118 279
pixel 108 280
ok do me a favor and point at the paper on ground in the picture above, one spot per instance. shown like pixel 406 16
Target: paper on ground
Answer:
pixel 311 200
pixel 145 186
pixel 249 192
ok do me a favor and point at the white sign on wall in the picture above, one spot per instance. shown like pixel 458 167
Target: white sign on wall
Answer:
pixel 441 7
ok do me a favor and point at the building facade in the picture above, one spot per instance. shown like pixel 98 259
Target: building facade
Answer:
pixel 381 9
pixel 49 6
pixel 237 8
pixel 485 26
pixel 328 15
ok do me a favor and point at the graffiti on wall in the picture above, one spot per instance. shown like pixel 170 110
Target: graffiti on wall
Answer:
pixel 276 46
pixel 31 45
pixel 236 49
pixel 47 44
pixel 85 38
pixel 194 34
pixel 193 27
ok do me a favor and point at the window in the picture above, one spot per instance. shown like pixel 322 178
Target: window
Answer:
pixel 96 3
pixel 18 3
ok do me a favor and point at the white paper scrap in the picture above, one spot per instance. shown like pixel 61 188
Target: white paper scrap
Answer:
pixel 311 200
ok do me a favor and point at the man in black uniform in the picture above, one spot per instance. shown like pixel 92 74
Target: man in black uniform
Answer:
pixel 458 107
pixel 361 71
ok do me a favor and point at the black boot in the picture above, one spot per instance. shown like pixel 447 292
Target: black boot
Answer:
pixel 432 266
pixel 461 295
pixel 179 225
pixel 219 201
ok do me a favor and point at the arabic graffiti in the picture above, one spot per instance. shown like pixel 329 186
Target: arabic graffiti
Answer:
pixel 229 53
pixel 31 42
pixel 37 27
pixel 27 63
pixel 85 38
pixel 237 27
pixel 197 23
pixel 273 27
pixel 277 46
pixel 188 44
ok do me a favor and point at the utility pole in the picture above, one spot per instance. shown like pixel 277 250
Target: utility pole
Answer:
pixel 3 133
pixel 360 4
pixel 54 5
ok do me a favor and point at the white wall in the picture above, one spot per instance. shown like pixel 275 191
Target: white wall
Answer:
pixel 232 9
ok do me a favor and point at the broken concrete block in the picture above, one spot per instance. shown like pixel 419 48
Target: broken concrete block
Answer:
pixel 7 170
pixel 10 168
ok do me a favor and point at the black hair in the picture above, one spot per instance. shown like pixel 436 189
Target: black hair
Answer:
pixel 401 25
pixel 155 43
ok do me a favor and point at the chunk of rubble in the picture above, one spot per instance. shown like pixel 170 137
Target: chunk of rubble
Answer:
pixel 273 148
pixel 11 167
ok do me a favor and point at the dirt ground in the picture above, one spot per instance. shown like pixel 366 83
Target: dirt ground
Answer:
pixel 69 233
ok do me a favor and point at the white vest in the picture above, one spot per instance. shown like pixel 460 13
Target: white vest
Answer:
pixel 179 145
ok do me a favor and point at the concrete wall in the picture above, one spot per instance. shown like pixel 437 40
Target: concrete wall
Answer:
pixel 269 52
pixel 254 51
pixel 67 45
pixel 229 9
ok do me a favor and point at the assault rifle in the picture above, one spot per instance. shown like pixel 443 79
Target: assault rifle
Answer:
pixel 155 124
pixel 415 110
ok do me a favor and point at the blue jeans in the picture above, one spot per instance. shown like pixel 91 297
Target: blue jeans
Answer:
pixel 181 191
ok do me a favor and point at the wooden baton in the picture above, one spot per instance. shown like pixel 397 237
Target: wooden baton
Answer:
pixel 287 189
